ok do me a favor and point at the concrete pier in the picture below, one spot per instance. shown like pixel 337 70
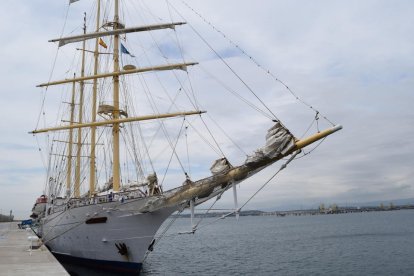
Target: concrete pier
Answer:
pixel 16 257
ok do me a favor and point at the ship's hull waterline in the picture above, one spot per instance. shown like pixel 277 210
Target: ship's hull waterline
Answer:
pixel 108 236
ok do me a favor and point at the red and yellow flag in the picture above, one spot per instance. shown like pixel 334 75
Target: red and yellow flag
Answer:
pixel 102 43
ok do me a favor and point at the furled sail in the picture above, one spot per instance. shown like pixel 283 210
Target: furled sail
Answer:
pixel 279 143
pixel 220 165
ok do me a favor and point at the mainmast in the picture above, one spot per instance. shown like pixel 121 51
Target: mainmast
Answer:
pixel 115 127
pixel 92 176
pixel 80 115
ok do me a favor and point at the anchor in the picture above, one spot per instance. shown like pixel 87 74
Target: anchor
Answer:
pixel 122 249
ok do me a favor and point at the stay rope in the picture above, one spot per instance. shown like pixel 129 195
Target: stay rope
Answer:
pixel 197 226
pixel 252 196
pixel 173 147
pixel 229 67
pixel 162 234
pixel 211 207
pixel 267 71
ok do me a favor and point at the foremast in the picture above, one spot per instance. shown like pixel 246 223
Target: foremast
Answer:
pixel 80 119
pixel 70 142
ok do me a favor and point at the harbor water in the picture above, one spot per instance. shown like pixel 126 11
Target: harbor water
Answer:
pixel 369 243
pixel 373 243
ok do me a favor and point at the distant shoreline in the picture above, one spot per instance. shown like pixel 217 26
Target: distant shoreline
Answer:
pixel 300 212
pixel 4 218
pixel 307 212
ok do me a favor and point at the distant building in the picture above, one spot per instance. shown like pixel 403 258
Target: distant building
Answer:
pixel 4 218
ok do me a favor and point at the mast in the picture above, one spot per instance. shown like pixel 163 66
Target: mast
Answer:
pixel 116 119
pixel 79 143
pixel 72 111
pixel 92 177
pixel 115 127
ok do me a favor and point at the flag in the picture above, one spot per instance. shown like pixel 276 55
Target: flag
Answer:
pixel 102 43
pixel 125 51
pixel 72 1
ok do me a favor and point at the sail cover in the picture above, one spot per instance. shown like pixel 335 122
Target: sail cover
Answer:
pixel 220 165
pixel 278 142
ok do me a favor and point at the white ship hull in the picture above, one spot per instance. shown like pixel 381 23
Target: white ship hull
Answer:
pixel 92 235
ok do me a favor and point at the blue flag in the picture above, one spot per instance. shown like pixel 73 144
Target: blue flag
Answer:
pixel 125 51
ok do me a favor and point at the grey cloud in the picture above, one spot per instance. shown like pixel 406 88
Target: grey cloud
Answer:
pixel 352 60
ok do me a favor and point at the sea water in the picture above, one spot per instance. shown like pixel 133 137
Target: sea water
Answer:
pixel 374 243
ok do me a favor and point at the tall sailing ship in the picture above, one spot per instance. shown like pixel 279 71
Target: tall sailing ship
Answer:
pixel 105 196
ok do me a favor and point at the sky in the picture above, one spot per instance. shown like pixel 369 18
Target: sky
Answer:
pixel 352 60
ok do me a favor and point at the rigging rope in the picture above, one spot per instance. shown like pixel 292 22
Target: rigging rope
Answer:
pixel 256 62
pixel 53 68
pixel 261 188
pixel 226 87
pixel 197 227
pixel 43 100
pixel 175 153
pixel 182 55
pixel 211 207
pixel 186 146
pixel 162 234
pixel 214 139
pixel 192 99
pixel 229 67
pixel 204 139
pixel 310 151
pixel 225 134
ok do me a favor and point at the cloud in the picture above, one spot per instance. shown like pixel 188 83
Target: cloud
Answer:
pixel 352 61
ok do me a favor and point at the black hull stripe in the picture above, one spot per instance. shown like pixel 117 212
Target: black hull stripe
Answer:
pixel 100 265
